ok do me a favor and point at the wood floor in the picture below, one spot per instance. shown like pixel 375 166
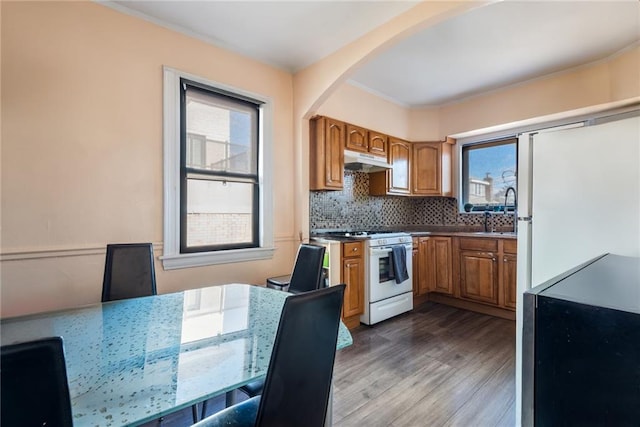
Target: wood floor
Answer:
pixel 435 366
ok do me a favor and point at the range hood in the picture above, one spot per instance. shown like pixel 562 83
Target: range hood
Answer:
pixel 364 162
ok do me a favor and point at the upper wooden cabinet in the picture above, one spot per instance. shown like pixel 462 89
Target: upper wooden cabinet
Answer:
pixel 431 169
pixel 378 144
pixel 366 141
pixel 396 181
pixel 357 139
pixel 326 154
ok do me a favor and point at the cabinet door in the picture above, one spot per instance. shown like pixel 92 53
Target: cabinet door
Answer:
pixel 443 280
pixel 426 261
pixel 353 277
pixel 509 263
pixel 479 277
pixel 326 154
pixel 378 144
pixel 400 174
pixel 357 139
pixel 427 169
pixel 416 272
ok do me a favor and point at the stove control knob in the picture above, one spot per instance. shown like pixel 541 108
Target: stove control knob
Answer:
pixel 383 241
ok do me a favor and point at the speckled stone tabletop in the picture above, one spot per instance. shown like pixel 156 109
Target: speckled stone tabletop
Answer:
pixel 131 361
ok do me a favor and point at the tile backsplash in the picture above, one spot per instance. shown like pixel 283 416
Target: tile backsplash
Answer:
pixel 353 208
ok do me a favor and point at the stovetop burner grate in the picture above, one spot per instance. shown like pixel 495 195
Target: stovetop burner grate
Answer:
pixel 360 233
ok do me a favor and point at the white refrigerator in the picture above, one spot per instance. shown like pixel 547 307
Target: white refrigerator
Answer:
pixel 579 197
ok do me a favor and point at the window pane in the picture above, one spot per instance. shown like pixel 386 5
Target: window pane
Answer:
pixel 219 213
pixel 488 171
pixel 227 131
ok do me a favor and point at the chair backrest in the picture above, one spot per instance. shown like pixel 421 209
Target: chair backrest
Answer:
pixel 307 271
pixel 298 381
pixel 128 271
pixel 33 382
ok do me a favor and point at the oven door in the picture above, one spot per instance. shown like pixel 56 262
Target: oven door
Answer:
pixel 381 283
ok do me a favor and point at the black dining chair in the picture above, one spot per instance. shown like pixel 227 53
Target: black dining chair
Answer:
pixel 306 276
pixel 128 271
pixel 33 384
pixel 298 381
pixel 307 271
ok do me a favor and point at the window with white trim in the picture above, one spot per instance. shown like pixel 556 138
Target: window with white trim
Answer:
pixel 217 204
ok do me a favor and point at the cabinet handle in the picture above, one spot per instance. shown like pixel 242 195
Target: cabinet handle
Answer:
pixel 505 260
pixel 493 259
pixel 355 249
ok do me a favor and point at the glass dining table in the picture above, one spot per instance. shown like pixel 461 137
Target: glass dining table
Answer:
pixel 132 361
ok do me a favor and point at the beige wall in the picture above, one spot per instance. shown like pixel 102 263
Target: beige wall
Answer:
pixel 359 107
pixel 608 81
pixel 82 148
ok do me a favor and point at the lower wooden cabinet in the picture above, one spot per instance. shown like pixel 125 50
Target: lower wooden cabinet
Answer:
pixel 479 276
pixel 434 265
pixel 509 276
pixel 468 272
pixel 442 260
pixel 353 277
pixel 416 267
pixel 487 271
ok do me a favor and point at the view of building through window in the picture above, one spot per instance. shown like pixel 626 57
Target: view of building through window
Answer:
pixel 488 170
pixel 221 171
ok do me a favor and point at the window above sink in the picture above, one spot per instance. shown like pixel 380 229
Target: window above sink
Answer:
pixel 487 170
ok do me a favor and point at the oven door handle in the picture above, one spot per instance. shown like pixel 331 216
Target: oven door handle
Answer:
pixel 387 249
pixel 378 251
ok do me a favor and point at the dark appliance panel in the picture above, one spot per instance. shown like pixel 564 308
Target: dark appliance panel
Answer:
pixel 581 347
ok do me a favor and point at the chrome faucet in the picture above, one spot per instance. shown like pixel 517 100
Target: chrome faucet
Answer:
pixel 515 207
pixel 487 214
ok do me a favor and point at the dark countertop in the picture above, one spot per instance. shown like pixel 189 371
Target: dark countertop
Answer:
pixel 434 230
pixel 480 234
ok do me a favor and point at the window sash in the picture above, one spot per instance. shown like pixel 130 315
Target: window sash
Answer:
pixel 209 95
pixel 466 184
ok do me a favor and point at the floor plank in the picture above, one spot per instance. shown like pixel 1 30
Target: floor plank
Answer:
pixel 436 366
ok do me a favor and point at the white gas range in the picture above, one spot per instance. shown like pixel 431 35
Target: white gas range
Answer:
pixel 385 296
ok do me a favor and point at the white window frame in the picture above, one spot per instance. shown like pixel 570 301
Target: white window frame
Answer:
pixel 172 258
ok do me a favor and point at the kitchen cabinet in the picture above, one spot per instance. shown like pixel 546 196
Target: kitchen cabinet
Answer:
pixel 509 277
pixel 431 169
pixel 434 265
pixel 425 266
pixel 416 267
pixel 479 276
pixel 357 139
pixel 326 153
pixel 473 273
pixel 478 265
pixel 378 144
pixel 442 259
pixel 397 180
pixel 366 141
pixel 353 277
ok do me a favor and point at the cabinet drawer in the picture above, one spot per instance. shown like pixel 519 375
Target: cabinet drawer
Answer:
pixel 490 245
pixel 510 246
pixel 352 249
